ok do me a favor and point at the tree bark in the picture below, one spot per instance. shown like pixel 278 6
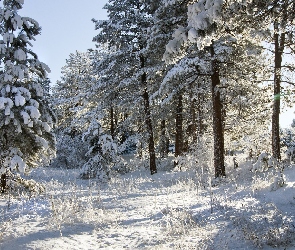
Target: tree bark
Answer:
pixel 192 128
pixel 279 41
pixel 164 147
pixel 148 120
pixel 3 183
pixel 112 122
pixel 200 122
pixel 178 127
pixel 218 132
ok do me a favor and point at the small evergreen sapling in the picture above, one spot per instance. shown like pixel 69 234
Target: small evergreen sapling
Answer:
pixel 102 152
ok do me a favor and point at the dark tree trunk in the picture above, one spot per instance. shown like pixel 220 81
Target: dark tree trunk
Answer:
pixel 178 127
pixel 279 48
pixel 200 123
pixel 192 128
pixel 112 122
pixel 148 120
pixel 3 183
pixel 217 119
pixel 164 140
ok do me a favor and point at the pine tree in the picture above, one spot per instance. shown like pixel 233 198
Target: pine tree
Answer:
pixel 278 16
pixel 26 119
pixel 73 104
pixel 220 30
pixel 126 33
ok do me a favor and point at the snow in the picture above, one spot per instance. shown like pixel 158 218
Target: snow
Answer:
pixel 17 22
pixel 17 162
pixel 20 55
pixel 8 37
pixel 192 34
pixel 2 102
pixel 46 127
pixel 7 78
pixel 200 16
pixel 45 67
pixel 2 48
pixel 7 88
pixel 26 117
pixel 169 210
pixel 39 89
pixel 19 100
pixel 7 14
pixel 18 72
pixel 7 110
pixel 5 102
pixel 42 142
pixel 34 112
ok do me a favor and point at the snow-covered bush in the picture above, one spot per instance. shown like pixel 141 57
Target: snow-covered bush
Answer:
pixel 177 221
pixel 74 207
pixel 103 154
pixel 268 173
pixel 277 182
pixel 199 160
pixel 288 141
pixel 71 151
pixel 263 162
pixel 24 187
pixel 165 164
pixel 265 225
pixel 13 167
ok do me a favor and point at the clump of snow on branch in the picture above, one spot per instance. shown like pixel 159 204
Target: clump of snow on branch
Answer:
pixel 20 55
pixel 14 161
pixel 201 16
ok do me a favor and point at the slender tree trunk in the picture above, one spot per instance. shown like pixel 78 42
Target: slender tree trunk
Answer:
pixel 279 41
pixel 148 120
pixel 112 122
pixel 217 119
pixel 192 128
pixel 3 183
pixel 164 140
pixel 178 127
pixel 200 125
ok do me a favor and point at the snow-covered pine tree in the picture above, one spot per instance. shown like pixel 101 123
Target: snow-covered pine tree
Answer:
pixel 212 29
pixel 125 32
pixel 72 101
pixel 25 117
pixel 278 19
pixel 167 17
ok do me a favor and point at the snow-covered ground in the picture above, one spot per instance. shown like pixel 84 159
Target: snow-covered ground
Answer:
pixel 169 210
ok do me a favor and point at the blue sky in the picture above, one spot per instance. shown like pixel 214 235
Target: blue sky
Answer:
pixel 66 27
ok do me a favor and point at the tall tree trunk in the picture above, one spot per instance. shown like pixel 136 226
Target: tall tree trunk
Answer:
pixel 192 128
pixel 200 125
pixel 148 120
pixel 178 127
pixel 164 147
pixel 218 132
pixel 279 41
pixel 3 183
pixel 112 122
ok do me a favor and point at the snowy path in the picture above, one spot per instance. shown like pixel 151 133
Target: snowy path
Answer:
pixel 169 211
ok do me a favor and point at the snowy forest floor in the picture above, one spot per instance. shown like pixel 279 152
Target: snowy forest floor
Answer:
pixel 169 210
